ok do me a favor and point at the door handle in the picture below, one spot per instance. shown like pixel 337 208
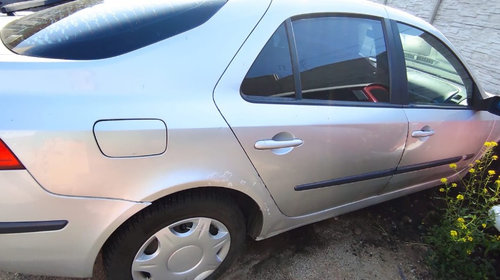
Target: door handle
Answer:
pixel 277 144
pixel 422 133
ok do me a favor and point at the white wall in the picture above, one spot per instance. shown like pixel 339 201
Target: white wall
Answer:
pixel 472 26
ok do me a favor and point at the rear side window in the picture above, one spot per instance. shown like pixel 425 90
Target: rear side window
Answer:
pixel 94 29
pixel 271 74
pixel 342 58
pixel 338 58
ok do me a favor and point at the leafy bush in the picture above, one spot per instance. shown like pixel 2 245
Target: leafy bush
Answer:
pixel 465 244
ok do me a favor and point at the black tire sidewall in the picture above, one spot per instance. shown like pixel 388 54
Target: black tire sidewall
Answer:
pixel 119 256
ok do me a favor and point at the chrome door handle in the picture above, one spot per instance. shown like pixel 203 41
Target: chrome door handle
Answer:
pixel 422 133
pixel 277 144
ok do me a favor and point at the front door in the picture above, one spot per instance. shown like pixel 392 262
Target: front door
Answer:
pixel 443 128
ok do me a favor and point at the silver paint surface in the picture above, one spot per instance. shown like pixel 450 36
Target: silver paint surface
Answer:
pixel 191 83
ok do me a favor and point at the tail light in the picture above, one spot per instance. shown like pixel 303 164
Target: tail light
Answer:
pixel 7 159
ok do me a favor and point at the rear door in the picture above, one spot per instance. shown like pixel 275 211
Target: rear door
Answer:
pixel 443 127
pixel 313 109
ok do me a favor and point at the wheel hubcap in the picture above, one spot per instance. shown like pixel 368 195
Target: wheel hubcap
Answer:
pixel 188 249
pixel 185 258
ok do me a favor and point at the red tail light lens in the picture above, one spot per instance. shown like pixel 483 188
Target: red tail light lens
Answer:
pixel 7 159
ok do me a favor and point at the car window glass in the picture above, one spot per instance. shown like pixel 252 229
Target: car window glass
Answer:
pixel 95 29
pixel 271 74
pixel 342 58
pixel 435 75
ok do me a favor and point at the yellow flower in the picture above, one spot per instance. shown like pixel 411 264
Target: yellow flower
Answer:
pixel 453 166
pixel 491 172
pixel 441 190
pixel 471 165
pixel 498 237
pixel 463 226
pixel 470 238
pixel 483 225
pixel 461 220
pixel 472 170
pixel 485 190
pixel 495 157
pixel 454 233
pixel 444 180
pixel 491 144
pixel 497 182
pixel 454 185
pixel 469 252
pixel 460 197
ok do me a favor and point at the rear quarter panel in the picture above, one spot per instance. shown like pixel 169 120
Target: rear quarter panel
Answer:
pixel 51 107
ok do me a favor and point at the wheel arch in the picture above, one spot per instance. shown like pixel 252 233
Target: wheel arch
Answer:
pixel 250 209
pixel 248 206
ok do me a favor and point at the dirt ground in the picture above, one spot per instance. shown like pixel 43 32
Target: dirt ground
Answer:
pixel 379 242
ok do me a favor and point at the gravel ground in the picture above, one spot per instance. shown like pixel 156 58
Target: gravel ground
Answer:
pixel 380 242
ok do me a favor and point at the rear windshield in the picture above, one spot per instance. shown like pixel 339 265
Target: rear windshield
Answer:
pixel 94 29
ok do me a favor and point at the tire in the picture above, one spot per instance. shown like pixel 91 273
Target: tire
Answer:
pixel 191 236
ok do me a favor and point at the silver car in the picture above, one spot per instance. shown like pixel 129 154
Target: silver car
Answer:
pixel 161 133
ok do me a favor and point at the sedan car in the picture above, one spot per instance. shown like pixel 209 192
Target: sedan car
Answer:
pixel 161 133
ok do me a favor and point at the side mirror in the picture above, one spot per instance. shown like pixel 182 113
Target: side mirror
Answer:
pixel 492 104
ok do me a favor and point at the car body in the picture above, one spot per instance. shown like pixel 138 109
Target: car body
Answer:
pixel 248 107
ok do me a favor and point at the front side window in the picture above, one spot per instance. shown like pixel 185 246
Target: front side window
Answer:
pixel 435 75
pixel 342 58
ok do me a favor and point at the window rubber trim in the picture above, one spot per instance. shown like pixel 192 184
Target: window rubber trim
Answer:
pixel 26 227
pixel 318 102
pixel 438 106
pixel 294 57
pixel 398 81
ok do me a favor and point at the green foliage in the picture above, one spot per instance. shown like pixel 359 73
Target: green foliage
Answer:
pixel 464 243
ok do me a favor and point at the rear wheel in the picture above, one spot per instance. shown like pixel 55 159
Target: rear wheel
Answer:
pixel 195 236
